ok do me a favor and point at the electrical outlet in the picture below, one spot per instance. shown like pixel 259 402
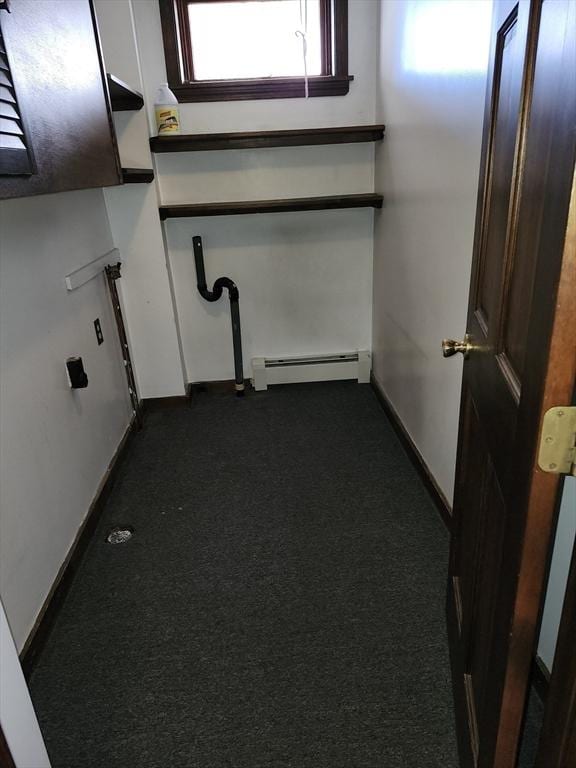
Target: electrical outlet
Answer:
pixel 98 330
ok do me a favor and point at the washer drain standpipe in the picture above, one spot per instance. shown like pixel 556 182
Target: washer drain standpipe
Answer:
pixel 214 295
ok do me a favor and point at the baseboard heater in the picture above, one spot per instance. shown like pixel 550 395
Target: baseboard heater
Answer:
pixel 292 370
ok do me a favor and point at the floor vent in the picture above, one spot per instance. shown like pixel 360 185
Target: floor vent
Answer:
pixel 119 534
pixel 292 370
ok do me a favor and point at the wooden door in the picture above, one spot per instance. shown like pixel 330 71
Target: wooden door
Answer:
pixel 522 361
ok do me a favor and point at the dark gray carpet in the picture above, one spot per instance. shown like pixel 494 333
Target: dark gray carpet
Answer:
pixel 280 605
pixel 529 741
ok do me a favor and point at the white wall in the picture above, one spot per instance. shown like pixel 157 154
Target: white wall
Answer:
pixel 304 279
pixel 559 568
pixel 427 169
pixel 136 229
pixel 146 290
pixel 17 716
pixel 55 443
pixel 355 108
pixel 119 50
pixel 305 286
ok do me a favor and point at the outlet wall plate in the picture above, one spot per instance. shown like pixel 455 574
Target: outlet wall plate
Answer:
pixel 98 330
pixel 77 377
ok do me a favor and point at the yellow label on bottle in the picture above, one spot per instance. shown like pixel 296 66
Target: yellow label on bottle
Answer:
pixel 167 120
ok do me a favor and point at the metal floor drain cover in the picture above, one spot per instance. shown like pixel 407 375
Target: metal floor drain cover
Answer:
pixel 120 534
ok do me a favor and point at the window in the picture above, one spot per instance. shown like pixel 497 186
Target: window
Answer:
pixel 220 50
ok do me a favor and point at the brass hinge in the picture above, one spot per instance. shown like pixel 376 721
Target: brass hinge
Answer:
pixel 557 452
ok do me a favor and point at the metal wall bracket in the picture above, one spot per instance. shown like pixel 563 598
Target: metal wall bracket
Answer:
pixel 113 274
pixel 557 452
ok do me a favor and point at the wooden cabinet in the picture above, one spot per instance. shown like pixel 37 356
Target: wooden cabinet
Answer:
pixel 55 83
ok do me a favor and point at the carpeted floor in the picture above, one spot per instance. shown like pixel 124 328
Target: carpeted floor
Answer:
pixel 281 603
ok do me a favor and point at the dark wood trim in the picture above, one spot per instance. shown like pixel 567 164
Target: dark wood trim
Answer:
pixel 368 200
pixel 417 460
pixel 122 97
pixel 193 389
pixel 6 759
pixel 184 41
pixel 222 387
pixel 271 88
pixel 340 34
pixel 197 142
pixel 137 175
pixel 172 54
pixel 61 586
pixel 334 81
pixel 150 404
pixel 326 32
pixel 106 83
pixel 540 678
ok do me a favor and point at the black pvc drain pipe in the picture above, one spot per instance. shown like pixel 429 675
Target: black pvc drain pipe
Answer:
pixel 214 295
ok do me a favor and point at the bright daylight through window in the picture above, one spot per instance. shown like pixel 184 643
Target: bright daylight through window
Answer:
pixel 232 40
pixel 219 50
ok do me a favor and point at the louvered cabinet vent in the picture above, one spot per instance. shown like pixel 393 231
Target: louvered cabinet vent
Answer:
pixel 16 157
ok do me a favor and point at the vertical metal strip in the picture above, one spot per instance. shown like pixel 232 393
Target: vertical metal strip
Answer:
pixel 112 274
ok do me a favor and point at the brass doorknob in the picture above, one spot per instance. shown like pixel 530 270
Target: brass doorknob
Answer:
pixel 451 347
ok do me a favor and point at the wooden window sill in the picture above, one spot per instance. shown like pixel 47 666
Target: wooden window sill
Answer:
pixel 272 88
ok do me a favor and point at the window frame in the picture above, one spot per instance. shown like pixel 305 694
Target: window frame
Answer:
pixel 334 80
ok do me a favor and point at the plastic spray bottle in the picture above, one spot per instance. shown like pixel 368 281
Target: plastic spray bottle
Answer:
pixel 167 113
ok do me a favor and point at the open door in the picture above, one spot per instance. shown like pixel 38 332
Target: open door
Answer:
pixel 520 362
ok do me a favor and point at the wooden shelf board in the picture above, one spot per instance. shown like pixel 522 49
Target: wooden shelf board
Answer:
pixel 368 200
pixel 137 175
pixel 122 97
pixel 197 142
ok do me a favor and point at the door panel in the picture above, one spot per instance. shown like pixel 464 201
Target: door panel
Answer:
pixel 507 91
pixel 475 575
pixel 521 284
pixel 488 561
pixel 518 317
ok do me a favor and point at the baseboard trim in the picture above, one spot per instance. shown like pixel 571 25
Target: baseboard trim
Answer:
pixel 223 387
pixel 162 403
pixel 540 678
pixel 48 613
pixel 440 501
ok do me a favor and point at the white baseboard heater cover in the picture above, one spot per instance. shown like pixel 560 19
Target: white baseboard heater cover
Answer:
pixel 292 370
